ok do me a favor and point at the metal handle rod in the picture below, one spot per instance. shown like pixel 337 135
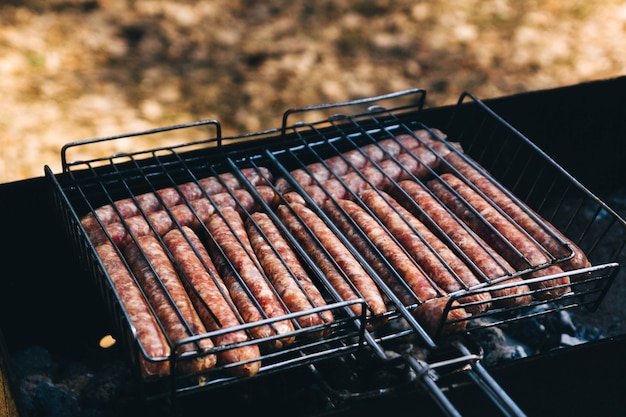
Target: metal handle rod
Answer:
pixel 489 385
pixel 498 396
pixel 432 389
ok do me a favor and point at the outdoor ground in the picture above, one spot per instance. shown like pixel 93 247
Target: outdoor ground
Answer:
pixel 77 69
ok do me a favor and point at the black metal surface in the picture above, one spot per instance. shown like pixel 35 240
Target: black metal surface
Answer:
pixel 23 201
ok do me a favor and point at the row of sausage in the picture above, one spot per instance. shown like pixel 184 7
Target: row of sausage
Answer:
pixel 408 205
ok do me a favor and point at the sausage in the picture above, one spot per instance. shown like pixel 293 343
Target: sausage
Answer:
pixel 431 312
pixel 285 272
pixel 158 278
pixel 439 262
pixel 552 239
pixel 420 289
pixel 486 260
pixel 148 332
pixel 170 196
pixel 339 165
pixel 502 235
pixel 235 260
pixel 332 246
pixel 362 229
pixel 192 214
pixel 210 297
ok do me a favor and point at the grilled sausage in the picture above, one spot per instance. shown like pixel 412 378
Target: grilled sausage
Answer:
pixel 431 312
pixel 362 281
pixel 285 271
pixel 441 264
pixel 148 332
pixel 158 278
pixel 234 258
pixel 419 201
pixel 551 239
pixel 502 235
pixel 192 214
pixel 211 300
pixel 332 257
pixel 349 161
pixel 170 196
pixel 413 286
pixel 362 229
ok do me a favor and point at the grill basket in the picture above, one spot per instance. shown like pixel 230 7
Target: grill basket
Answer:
pixel 509 159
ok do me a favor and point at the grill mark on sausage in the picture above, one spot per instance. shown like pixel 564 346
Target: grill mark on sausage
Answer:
pixel 170 196
pixel 419 201
pixel 152 266
pixel 285 272
pixel 149 334
pixel 435 257
pixel 345 260
pixel 210 297
pixel 507 238
pixel 233 251
pixel 553 240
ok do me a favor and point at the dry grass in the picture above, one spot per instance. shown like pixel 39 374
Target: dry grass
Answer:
pixel 77 69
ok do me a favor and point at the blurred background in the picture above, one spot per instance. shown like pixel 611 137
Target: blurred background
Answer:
pixel 78 69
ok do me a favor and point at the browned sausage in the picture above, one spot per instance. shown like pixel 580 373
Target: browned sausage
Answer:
pixel 211 300
pixel 192 214
pixel 486 260
pixel 514 246
pixel 285 271
pixel 158 278
pixel 227 230
pixel 344 213
pixel 333 246
pixel 552 239
pixel 347 162
pixel 148 332
pixel 413 286
pixel 431 312
pixel 441 264
pixel 170 196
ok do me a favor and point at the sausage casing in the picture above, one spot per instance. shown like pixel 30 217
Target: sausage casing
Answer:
pixel 211 300
pixel 149 334
pixel 427 208
pixel 552 239
pixel 502 235
pixel 441 264
pixel 285 271
pixel 158 278
pixel 249 288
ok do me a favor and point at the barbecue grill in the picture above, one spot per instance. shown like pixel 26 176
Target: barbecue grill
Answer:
pixel 359 364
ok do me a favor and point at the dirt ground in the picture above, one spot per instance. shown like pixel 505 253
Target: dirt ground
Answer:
pixel 78 69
